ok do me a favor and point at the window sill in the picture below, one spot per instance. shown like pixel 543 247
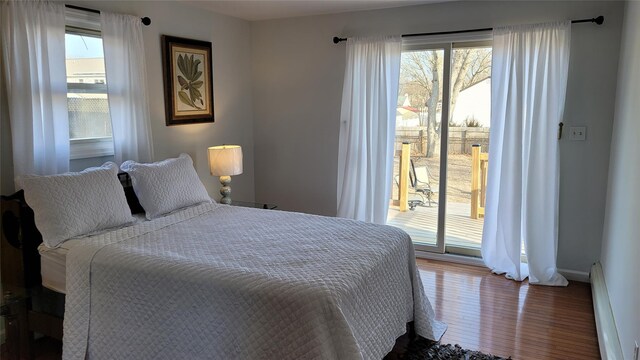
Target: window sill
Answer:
pixel 91 148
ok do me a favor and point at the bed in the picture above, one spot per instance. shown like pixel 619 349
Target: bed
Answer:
pixel 218 281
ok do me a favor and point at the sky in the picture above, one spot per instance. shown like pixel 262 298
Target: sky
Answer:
pixel 78 47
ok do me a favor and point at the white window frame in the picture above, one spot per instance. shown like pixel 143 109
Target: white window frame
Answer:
pixel 85 23
pixel 447 43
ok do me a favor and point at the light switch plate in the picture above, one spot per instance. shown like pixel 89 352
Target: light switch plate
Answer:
pixel 577 133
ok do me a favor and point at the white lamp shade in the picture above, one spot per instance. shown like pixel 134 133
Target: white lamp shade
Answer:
pixel 225 160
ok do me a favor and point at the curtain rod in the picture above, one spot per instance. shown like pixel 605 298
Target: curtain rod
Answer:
pixel 598 20
pixel 145 20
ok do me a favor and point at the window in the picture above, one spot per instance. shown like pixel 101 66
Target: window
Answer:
pixel 87 100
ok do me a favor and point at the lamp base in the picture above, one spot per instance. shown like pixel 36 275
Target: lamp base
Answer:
pixel 225 190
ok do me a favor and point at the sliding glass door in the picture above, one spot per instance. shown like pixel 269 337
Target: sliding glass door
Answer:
pixel 418 122
pixel 440 168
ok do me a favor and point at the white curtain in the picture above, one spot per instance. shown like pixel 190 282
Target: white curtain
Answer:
pixel 528 83
pixel 367 130
pixel 124 56
pixel 32 34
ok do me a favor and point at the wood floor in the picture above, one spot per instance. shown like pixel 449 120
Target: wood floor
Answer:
pixel 489 313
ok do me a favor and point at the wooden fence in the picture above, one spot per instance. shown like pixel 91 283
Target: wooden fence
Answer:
pixel 461 139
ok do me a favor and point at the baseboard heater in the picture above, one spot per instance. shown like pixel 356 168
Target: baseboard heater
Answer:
pixel 605 323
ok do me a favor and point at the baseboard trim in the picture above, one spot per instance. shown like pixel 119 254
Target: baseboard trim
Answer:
pixel 605 323
pixel 574 275
pixel 458 259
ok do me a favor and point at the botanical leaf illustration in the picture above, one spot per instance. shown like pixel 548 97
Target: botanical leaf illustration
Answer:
pixel 183 82
pixel 185 99
pixel 189 81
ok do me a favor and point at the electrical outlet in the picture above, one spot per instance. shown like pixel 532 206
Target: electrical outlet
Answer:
pixel 577 133
pixel 635 352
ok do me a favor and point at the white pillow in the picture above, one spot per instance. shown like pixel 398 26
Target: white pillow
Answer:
pixel 76 203
pixel 167 185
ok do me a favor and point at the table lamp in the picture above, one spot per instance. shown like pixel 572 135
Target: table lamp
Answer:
pixel 225 161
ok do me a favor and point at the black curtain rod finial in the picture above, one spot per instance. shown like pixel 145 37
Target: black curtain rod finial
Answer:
pixel 337 39
pixel 146 21
pixel 599 20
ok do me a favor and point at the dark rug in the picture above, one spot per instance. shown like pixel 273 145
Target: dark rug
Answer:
pixel 422 349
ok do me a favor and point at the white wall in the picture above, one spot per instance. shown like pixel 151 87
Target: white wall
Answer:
pixel 297 87
pixel 621 240
pixel 232 89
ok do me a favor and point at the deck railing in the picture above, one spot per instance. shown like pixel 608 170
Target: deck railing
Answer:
pixel 479 167
pixel 403 181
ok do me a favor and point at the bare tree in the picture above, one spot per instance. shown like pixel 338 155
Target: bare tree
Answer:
pixel 421 78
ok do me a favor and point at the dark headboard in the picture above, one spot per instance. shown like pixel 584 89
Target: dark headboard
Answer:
pixel 20 238
pixel 132 199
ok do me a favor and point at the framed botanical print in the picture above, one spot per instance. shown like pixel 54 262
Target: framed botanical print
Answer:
pixel 188 80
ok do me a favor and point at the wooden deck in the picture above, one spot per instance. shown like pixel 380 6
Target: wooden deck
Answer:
pixel 422 224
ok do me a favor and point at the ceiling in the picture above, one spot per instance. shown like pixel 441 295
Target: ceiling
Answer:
pixel 253 10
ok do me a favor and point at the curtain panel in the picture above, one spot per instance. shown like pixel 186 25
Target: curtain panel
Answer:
pixel 528 84
pixel 127 87
pixel 33 53
pixel 367 129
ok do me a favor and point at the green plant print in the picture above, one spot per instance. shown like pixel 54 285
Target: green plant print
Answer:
pixel 190 84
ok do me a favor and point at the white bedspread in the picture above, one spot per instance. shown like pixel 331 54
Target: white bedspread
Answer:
pixel 223 282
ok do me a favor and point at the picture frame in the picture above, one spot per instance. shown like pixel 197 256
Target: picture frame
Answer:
pixel 187 74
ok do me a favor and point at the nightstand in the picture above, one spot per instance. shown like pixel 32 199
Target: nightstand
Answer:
pixel 253 204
